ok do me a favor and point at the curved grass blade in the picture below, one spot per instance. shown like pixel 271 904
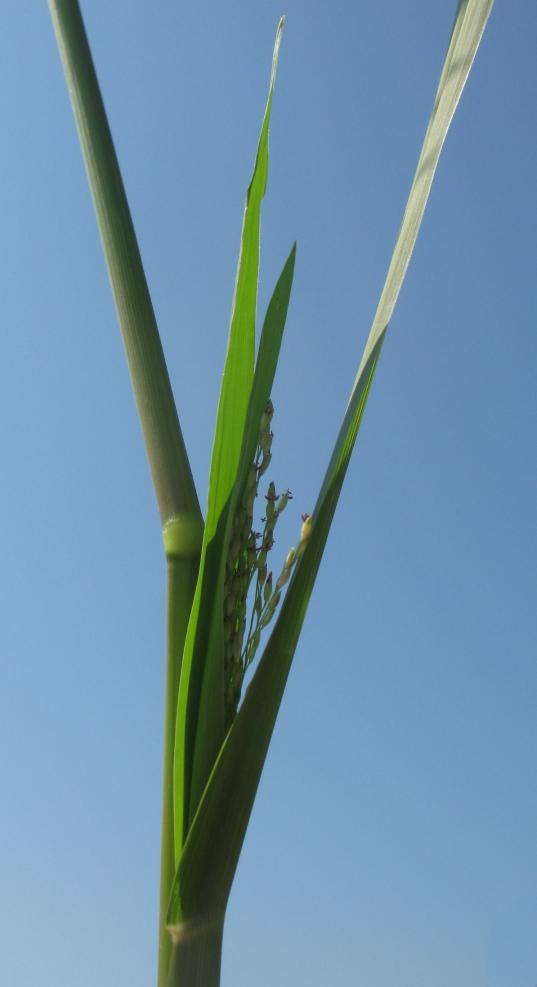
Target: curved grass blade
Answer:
pixel 212 850
pixel 470 22
pixel 207 865
pixel 265 368
pixel 204 648
pixel 269 349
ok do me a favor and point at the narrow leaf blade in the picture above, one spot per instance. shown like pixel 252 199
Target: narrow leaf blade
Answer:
pixel 269 349
pixel 265 368
pixel 201 692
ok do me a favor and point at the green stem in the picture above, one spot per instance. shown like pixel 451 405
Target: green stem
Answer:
pixel 183 560
pixel 179 508
pixel 196 953
pixel 164 443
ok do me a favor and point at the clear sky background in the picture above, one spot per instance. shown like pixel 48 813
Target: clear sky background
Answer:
pixel 393 839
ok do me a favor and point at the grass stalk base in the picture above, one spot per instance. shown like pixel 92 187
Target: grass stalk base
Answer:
pixel 196 954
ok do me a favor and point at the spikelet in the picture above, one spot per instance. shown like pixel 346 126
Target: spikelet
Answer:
pixel 246 568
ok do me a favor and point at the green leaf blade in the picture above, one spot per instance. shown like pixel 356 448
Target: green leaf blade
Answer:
pixel 267 360
pixel 269 349
pixel 201 689
pixel 240 356
pixel 214 843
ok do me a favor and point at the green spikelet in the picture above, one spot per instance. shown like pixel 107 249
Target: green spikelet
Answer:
pixel 247 571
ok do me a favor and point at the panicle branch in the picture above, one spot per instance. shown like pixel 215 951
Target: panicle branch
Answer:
pixel 247 569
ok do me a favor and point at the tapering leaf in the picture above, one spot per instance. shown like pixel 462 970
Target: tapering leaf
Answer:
pixel 265 368
pixel 269 349
pixel 201 690
pixel 210 856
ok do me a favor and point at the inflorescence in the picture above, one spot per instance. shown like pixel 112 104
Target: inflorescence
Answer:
pixel 247 562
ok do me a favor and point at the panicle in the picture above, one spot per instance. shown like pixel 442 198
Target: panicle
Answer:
pixel 246 569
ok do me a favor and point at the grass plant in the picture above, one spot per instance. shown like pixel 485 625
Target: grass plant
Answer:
pixel 221 599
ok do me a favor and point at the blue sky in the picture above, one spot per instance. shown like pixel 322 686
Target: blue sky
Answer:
pixel 393 838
